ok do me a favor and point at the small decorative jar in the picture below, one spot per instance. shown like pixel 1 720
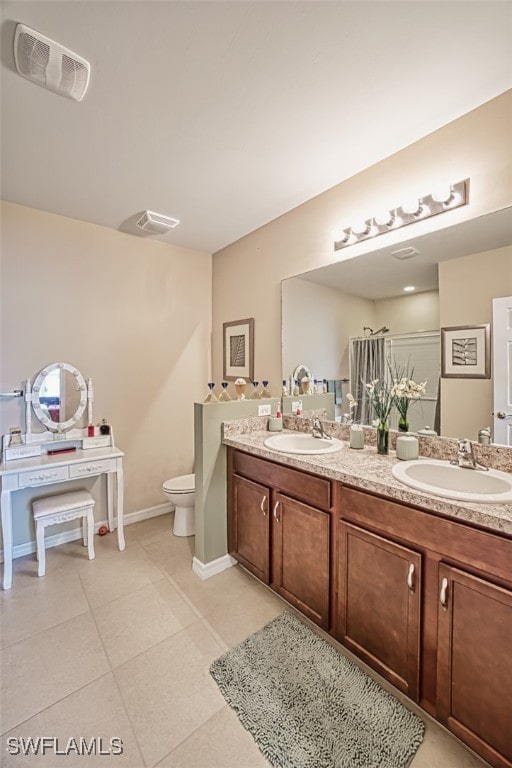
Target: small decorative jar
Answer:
pixel 407 447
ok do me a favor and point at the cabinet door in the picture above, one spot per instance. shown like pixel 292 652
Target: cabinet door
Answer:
pixel 250 527
pixel 379 593
pixel 474 678
pixel 301 556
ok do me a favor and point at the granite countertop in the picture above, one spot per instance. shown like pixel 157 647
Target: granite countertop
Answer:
pixel 369 471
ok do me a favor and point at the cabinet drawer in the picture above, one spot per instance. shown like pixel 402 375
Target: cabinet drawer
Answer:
pixel 297 484
pixel 89 468
pixel 42 476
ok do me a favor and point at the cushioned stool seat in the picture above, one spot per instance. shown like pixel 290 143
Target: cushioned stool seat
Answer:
pixel 60 509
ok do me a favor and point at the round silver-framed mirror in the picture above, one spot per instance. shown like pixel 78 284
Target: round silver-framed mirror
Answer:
pixel 59 396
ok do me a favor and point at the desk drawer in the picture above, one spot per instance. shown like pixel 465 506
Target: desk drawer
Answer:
pixel 42 476
pixel 89 468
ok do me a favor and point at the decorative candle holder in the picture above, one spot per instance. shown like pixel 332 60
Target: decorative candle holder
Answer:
pixel 265 392
pixel 211 398
pixel 255 395
pixel 356 436
pixel 224 396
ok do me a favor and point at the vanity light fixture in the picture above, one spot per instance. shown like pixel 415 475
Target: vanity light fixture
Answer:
pixel 409 288
pixel 417 209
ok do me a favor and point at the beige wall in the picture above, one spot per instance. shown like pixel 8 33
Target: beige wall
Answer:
pixel 247 274
pixel 132 313
pixel 466 289
pixel 317 324
pixel 408 314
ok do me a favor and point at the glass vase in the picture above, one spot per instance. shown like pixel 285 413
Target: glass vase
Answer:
pixel 383 437
pixel 403 424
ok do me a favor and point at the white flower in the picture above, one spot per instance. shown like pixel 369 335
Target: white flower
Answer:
pixel 352 402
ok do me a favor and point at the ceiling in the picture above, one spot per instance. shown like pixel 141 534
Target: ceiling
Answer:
pixel 226 115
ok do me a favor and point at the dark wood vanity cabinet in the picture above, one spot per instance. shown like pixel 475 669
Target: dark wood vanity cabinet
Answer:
pixel 449 645
pixel 423 599
pixel 276 532
pixel 379 604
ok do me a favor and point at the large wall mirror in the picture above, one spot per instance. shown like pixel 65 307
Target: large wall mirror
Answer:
pixel 456 272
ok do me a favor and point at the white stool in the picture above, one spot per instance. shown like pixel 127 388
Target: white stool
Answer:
pixel 60 509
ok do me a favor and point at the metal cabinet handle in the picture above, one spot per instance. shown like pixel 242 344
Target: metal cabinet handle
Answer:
pixel 443 597
pixel 410 577
pixel 276 506
pixel 262 506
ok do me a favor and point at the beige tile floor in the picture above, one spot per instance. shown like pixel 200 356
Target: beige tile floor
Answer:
pixel 119 647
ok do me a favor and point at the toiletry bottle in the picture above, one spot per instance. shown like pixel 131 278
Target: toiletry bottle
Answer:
pixel 90 430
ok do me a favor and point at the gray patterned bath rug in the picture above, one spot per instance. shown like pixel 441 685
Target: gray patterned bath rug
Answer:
pixel 307 706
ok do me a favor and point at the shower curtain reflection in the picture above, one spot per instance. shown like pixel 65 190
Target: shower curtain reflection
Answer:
pixel 367 363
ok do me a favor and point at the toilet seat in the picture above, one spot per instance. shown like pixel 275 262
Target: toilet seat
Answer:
pixel 182 484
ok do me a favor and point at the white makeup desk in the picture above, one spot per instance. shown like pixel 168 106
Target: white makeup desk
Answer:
pixel 43 470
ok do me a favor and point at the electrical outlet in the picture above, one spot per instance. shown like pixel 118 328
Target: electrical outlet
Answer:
pixel 264 410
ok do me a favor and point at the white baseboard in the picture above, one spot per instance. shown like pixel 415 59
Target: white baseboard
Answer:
pixel 205 570
pixel 29 547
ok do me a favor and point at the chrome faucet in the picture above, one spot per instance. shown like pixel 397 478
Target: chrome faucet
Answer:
pixel 317 430
pixel 465 456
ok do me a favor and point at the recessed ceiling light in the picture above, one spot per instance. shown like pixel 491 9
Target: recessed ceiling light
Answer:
pixel 409 288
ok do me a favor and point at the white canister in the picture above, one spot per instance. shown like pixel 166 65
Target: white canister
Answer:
pixel 407 447
pixel 356 436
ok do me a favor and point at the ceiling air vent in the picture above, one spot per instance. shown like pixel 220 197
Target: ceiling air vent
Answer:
pixel 50 64
pixel 156 223
pixel 405 253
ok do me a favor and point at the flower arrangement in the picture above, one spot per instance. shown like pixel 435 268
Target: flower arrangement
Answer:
pixel 405 391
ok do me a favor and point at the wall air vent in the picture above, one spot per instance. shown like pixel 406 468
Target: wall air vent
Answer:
pixel 156 223
pixel 49 64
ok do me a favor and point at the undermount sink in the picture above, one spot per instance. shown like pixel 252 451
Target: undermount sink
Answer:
pixel 452 482
pixel 302 442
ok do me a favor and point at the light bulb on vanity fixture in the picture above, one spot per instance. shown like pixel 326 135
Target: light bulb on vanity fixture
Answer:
pixel 361 228
pixel 409 288
pixel 416 207
pixel 385 219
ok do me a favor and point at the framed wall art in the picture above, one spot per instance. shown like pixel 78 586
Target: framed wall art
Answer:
pixel 238 349
pixel 466 352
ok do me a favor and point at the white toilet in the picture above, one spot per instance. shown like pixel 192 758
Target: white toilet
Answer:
pixel 180 492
